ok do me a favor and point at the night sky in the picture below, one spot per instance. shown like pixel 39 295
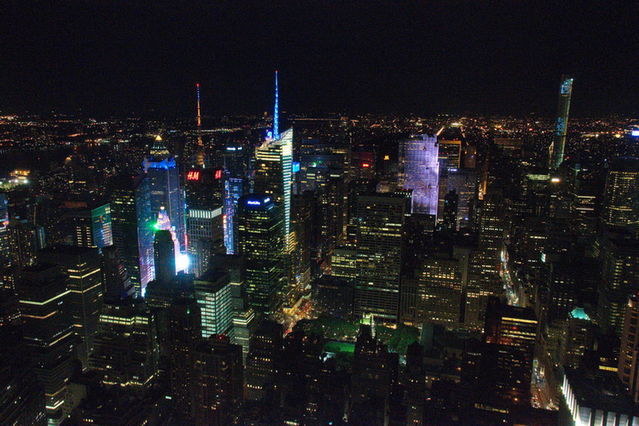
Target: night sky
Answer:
pixel 132 56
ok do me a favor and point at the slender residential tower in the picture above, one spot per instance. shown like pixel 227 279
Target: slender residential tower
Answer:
pixel 559 139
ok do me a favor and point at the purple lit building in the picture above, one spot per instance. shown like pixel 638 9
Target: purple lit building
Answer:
pixel 420 172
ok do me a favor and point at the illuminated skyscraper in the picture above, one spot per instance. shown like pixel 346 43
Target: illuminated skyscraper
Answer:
pixel 90 225
pixel 621 194
pixel 204 220
pixel 213 294
pixel 419 167
pixel 629 352
pixel 132 222
pixel 274 174
pixel 559 139
pixel 620 278
pixel 126 352
pixel 86 291
pixel 511 334
pixel 166 193
pixel 260 241
pixel 380 230
pixel 235 184
pixel 48 331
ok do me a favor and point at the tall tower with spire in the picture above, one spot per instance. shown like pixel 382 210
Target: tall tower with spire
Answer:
pixel 199 155
pixel 273 166
pixel 559 139
pixel 276 109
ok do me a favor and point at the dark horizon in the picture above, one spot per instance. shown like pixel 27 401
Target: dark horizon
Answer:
pixel 109 59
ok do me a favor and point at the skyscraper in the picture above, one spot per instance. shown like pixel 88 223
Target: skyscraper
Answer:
pixel 213 294
pixel 629 352
pixel 164 183
pixel 559 139
pixel 86 291
pixel 217 378
pixel 132 222
pixel 261 241
pixel 184 333
pixel 90 225
pixel 274 174
pixel 380 227
pixel 510 334
pixel 204 218
pixel 262 362
pixel 126 352
pixel 164 256
pixel 620 278
pixel 235 184
pixel 48 331
pixel 419 167
pixel 621 193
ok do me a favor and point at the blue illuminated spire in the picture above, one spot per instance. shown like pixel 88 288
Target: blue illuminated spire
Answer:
pixel 276 111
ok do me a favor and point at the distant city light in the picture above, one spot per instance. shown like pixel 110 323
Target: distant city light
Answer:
pixel 366 165
pixel 555 180
pixel 218 174
pixel 253 203
pixel 634 133
pixel 296 166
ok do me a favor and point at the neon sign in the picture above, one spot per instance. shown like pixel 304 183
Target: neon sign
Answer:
pixel 193 175
pixel 218 174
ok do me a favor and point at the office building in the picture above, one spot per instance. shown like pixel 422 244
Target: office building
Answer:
pixel 595 398
pixel 206 237
pixel 132 223
pixel 217 381
pixel 263 361
pixel 164 185
pixel 213 292
pixel 164 256
pixel 380 228
pixel 261 243
pixel 126 352
pixel 184 333
pixel 510 334
pixel 83 267
pixel 48 332
pixel 620 277
pixel 629 352
pixel 274 175
pixel 432 292
pixel 419 167
pixel 90 224
pixel 22 397
pixel 619 199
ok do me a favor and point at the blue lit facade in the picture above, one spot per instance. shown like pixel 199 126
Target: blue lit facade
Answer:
pixel 165 189
pixel 559 139
pixel 276 110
